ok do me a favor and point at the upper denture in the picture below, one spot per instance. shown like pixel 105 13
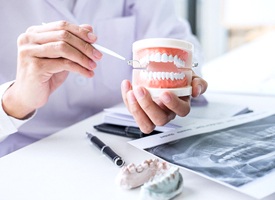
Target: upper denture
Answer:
pixel 177 56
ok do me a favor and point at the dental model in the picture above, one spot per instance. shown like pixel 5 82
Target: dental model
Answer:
pixel 157 179
pixel 166 65
pixel 163 186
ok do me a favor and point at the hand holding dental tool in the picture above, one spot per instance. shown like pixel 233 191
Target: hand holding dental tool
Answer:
pixel 134 63
pixel 106 150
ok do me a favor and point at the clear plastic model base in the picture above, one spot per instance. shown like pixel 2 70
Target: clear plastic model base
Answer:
pixel 166 65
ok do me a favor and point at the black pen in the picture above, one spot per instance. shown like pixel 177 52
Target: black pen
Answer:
pixel 106 150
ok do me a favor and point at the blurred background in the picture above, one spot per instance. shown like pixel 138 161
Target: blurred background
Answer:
pixel 238 41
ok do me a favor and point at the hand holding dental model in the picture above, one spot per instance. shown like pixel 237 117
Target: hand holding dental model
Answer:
pixel 160 66
pixel 167 74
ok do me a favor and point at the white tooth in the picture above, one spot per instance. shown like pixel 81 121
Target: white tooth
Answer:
pixel 157 57
pixel 144 75
pixel 176 75
pixel 180 63
pixel 154 76
pixel 164 58
pixel 152 57
pixel 163 75
pixel 175 59
pixel 143 60
pixel 167 75
pixel 171 58
pixel 139 169
pixel 159 75
pixel 147 58
pixel 147 74
pixel 172 76
pixel 150 75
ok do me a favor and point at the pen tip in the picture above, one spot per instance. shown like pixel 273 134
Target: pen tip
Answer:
pixel 89 134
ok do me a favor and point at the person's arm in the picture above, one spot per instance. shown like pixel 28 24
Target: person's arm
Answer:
pixel 8 124
pixel 46 54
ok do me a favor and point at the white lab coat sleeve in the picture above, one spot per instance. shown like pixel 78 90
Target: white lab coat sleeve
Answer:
pixel 8 124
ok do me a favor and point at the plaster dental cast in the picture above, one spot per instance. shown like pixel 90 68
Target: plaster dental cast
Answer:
pixel 51 76
pixel 158 179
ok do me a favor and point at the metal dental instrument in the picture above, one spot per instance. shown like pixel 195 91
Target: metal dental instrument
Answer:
pixel 195 64
pixel 134 63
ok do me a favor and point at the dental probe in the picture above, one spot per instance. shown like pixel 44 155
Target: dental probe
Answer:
pixel 114 54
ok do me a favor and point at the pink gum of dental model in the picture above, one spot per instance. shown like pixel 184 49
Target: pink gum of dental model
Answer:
pixel 166 65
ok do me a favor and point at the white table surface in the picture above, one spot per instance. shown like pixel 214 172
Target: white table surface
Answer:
pixel 66 166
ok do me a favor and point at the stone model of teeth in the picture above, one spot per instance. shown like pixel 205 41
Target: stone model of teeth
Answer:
pixel 158 180
pixel 166 65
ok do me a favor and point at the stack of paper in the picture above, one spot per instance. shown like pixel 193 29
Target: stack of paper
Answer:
pixel 119 115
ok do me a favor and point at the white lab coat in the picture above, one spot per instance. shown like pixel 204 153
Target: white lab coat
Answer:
pixel 117 24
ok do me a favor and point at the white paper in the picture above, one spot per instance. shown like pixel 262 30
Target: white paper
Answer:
pixel 217 110
pixel 119 115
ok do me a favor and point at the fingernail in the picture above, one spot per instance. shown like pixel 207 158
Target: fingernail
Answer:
pixel 165 98
pixel 139 93
pixel 131 97
pixel 92 64
pixel 125 86
pixel 97 53
pixel 92 36
pixel 199 88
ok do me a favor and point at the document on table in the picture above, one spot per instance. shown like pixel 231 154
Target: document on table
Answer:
pixel 119 115
pixel 238 152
